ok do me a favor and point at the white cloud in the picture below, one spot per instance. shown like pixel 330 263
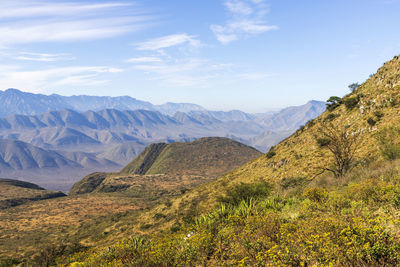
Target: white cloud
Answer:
pixel 42 57
pixel 21 8
pixel 188 72
pixel 13 77
pixel 23 22
pixel 169 41
pixel 247 17
pixel 239 7
pixel 143 60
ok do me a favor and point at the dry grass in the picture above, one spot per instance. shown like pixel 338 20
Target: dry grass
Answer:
pixel 26 229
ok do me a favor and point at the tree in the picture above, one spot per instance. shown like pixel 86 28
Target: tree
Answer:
pixel 333 102
pixel 354 86
pixel 343 145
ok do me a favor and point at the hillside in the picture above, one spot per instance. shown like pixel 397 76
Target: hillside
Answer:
pixel 103 207
pixel 300 155
pixel 14 193
pixel 286 207
pixel 174 166
pixel 210 156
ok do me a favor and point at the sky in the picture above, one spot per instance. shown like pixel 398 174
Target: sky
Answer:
pixel 252 55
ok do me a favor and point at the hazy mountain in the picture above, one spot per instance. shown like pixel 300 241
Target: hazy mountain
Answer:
pixel 52 169
pixel 13 101
pixel 291 118
pixel 69 129
pixel 172 108
pixel 81 142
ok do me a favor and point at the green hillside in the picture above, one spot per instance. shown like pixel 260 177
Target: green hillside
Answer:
pixel 299 204
pixel 210 156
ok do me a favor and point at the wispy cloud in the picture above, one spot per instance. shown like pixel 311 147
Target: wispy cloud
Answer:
pixel 42 57
pixel 186 72
pixel 23 22
pixel 14 77
pixel 143 59
pixel 246 17
pixel 169 41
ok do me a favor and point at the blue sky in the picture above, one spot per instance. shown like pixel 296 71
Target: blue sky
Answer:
pixel 223 54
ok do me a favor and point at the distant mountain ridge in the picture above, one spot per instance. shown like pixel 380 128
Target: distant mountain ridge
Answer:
pixel 102 139
pixel 13 101
pixel 69 128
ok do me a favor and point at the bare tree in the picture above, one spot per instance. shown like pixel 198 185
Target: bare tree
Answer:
pixel 342 143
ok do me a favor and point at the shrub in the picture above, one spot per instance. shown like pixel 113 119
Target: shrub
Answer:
pixel 245 192
pixel 378 114
pixel 371 121
pixel 291 182
pixel 310 123
pixel 331 117
pixel 388 141
pixel 351 102
pixel 323 142
pixel 270 154
pixel 316 194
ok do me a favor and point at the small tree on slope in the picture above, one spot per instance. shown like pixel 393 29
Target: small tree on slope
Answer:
pixel 343 145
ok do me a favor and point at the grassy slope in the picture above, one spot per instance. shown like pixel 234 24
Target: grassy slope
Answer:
pixel 353 220
pixel 210 157
pixel 28 228
pixel 14 193
pixel 299 155
pixel 114 202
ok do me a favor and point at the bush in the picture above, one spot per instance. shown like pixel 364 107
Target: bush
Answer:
pixel 291 182
pixel 331 117
pixel 388 141
pixel 351 102
pixel 270 154
pixel 378 114
pixel 371 121
pixel 316 194
pixel 245 192
pixel 322 142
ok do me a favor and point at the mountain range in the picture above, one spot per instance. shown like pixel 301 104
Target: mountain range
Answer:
pixel 111 131
pixel 13 101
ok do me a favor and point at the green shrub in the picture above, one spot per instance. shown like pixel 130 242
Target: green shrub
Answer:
pixel 159 216
pixel 270 154
pixel 322 142
pixel 351 102
pixel 245 192
pixel 331 117
pixel 316 194
pixel 371 121
pixel 389 143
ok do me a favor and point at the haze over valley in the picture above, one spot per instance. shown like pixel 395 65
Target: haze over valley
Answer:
pixel 57 147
